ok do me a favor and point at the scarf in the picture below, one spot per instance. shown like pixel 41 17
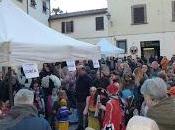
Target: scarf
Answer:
pixel 17 114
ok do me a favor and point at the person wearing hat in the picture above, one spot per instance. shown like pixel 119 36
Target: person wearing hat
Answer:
pixel 23 115
pixel 114 115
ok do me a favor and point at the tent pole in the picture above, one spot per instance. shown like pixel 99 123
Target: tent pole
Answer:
pixel 10 86
pixel 100 69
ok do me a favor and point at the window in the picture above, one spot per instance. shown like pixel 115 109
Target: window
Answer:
pixel 67 27
pixel 44 7
pixel 122 44
pixel 33 3
pixel 20 1
pixel 173 10
pixel 139 14
pixel 99 23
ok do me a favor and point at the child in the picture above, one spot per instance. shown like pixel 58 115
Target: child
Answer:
pixel 38 97
pixel 63 116
pixel 92 109
pixel 56 105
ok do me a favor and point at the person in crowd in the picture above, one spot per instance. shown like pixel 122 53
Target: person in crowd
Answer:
pixel 119 67
pixel 114 115
pixel 57 69
pixel 83 84
pixel 151 59
pixel 164 63
pixel 173 67
pixel 101 80
pixel 91 109
pixel 141 123
pixel 160 107
pixel 50 103
pixel 5 86
pixel 145 71
pixel 23 116
pixel 38 97
pixel 154 69
pixel 56 105
pixel 69 83
pixel 62 116
pixel 139 75
pixel 162 75
pixel 114 84
pixel 170 76
pixel 46 70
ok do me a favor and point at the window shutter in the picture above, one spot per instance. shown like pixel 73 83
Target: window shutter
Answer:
pixel 139 15
pixel 99 23
pixel 63 27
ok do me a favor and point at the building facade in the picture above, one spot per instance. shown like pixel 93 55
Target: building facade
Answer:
pixel 146 25
pixel 89 26
pixel 38 9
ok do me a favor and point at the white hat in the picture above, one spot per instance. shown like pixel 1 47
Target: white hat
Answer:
pixel 141 123
pixel 24 96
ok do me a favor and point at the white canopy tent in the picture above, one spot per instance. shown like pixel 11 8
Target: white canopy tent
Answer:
pixel 108 49
pixel 25 40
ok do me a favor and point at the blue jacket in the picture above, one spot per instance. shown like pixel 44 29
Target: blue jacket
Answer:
pixel 63 114
pixel 32 123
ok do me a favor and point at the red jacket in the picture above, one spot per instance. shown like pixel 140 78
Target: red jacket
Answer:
pixel 114 111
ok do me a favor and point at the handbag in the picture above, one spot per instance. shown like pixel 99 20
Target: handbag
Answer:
pixel 110 126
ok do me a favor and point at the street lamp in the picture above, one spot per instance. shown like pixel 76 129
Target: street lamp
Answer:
pixel 108 15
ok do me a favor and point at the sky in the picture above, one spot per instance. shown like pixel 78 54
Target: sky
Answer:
pixel 78 5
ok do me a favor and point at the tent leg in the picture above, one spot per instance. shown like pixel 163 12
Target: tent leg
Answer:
pixel 100 69
pixel 10 86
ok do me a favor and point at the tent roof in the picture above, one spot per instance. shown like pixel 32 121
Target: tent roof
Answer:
pixel 30 41
pixel 108 48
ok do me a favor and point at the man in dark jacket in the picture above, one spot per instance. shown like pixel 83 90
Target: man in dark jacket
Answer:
pixel 83 85
pixel 23 116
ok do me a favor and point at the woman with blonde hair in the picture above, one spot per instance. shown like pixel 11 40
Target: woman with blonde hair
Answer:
pixel 138 74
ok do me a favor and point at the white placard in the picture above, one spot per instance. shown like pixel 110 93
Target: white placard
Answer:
pixel 71 65
pixel 96 64
pixel 30 70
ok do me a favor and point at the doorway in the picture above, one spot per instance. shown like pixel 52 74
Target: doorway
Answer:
pixel 150 48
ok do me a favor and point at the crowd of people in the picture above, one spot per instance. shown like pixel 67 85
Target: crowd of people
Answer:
pixel 116 96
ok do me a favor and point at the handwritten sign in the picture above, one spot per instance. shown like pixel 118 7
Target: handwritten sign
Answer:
pixel 30 70
pixel 96 64
pixel 71 65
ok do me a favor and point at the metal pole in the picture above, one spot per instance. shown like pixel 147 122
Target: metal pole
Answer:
pixel 10 86
pixel 27 6
pixel 100 67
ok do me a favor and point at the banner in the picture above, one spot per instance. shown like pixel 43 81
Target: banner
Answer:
pixel 30 70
